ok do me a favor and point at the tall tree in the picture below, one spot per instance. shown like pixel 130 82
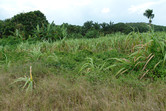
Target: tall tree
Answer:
pixel 87 26
pixel 28 21
pixel 149 14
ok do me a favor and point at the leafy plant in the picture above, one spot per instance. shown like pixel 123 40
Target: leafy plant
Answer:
pixel 28 81
pixel 91 66
pixel 36 53
pixel 50 32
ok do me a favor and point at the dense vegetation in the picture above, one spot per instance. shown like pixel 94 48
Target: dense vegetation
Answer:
pixel 111 71
pixel 108 73
pixel 35 25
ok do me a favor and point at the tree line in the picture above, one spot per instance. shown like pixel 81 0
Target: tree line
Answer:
pixel 35 25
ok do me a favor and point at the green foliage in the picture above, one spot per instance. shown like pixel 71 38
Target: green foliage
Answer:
pixel 8 28
pixel 24 22
pixel 1 28
pixel 121 27
pixel 72 29
pixel 158 28
pixel 34 26
pixel 11 40
pixel 107 28
pixel 139 27
pixel 87 26
pixel 29 20
pixel 103 27
pixel 76 35
pixel 137 56
pixel 144 27
pixel 50 32
pixel 28 81
pixel 92 34
pixel 114 72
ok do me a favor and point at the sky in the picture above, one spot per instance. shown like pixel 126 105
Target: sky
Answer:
pixel 77 12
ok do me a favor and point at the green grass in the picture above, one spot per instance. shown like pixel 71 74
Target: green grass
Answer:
pixel 116 72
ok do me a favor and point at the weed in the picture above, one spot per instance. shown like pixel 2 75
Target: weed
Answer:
pixel 28 81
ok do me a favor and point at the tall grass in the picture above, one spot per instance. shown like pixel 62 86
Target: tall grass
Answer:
pixel 116 72
pixel 134 52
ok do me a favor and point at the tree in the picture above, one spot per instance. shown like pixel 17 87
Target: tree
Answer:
pixel 96 26
pixel 27 22
pixel 87 26
pixel 1 27
pixel 106 28
pixel 149 14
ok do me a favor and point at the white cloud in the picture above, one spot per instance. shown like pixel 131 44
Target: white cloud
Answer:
pixel 142 7
pixel 56 8
pixel 105 10
pixel 42 4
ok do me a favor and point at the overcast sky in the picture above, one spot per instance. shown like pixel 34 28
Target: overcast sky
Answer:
pixel 79 11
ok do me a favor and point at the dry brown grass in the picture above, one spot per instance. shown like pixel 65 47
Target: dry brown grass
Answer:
pixel 56 93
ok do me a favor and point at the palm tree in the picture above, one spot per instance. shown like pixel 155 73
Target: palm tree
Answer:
pixel 149 15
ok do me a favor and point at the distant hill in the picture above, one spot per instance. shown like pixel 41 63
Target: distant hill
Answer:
pixel 144 27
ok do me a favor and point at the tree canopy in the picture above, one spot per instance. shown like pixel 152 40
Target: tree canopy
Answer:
pixel 149 14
